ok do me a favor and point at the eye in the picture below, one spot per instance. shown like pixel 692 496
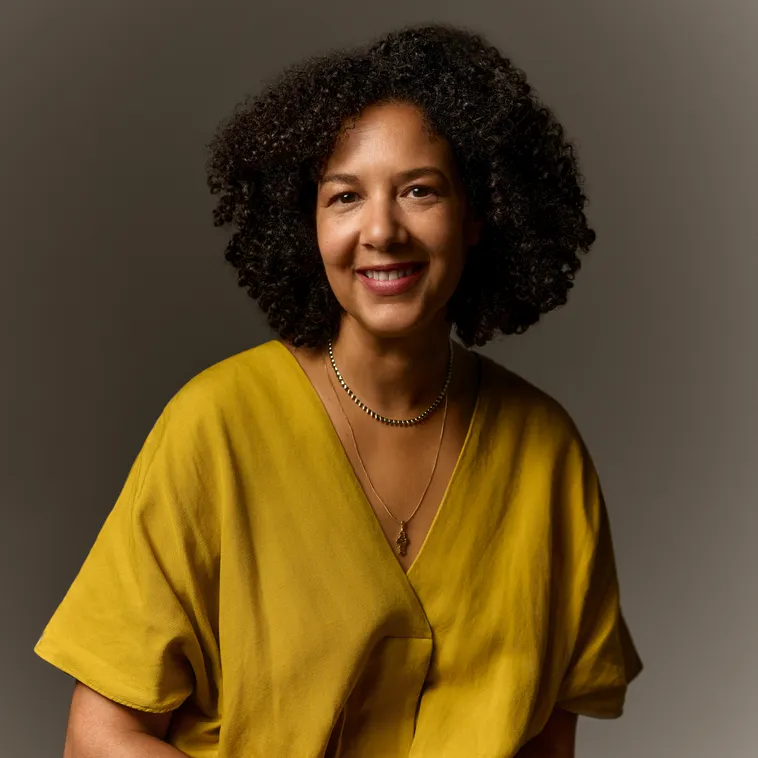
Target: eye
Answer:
pixel 344 198
pixel 421 191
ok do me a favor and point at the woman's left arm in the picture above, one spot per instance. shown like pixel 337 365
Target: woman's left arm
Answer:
pixel 556 740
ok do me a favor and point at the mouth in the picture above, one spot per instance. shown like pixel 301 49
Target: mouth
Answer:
pixel 391 272
pixel 396 279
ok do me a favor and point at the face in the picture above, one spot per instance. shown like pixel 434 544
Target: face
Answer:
pixel 392 222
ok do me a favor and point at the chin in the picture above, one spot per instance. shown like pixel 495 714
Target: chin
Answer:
pixel 397 325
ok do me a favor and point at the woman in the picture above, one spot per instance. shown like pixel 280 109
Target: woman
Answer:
pixel 364 539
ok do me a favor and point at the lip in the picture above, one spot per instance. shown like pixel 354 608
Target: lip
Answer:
pixel 391 266
pixel 394 287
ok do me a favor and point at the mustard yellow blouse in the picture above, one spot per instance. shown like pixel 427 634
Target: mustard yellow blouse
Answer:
pixel 243 579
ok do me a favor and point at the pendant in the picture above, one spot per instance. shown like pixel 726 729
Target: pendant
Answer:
pixel 402 540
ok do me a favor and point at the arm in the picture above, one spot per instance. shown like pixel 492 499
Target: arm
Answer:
pixel 98 727
pixel 556 740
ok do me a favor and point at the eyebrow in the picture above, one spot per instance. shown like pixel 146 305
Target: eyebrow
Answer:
pixel 405 176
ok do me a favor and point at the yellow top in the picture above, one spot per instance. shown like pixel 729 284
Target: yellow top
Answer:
pixel 243 579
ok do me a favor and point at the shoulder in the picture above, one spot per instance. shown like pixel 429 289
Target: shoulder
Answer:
pixel 537 436
pixel 243 371
pixel 230 398
pixel 516 402
pixel 217 413
pixel 229 387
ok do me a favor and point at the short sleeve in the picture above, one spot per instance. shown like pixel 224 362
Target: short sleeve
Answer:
pixel 134 625
pixel 603 659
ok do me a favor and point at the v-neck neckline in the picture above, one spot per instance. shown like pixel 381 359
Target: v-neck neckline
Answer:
pixel 368 514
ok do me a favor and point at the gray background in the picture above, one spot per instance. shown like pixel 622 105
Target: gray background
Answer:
pixel 115 292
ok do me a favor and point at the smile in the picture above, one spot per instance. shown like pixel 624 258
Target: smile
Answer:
pixel 394 281
pixel 389 276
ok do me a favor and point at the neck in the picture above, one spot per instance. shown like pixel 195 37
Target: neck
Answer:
pixel 397 377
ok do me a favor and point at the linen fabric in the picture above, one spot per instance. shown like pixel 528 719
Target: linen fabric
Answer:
pixel 243 581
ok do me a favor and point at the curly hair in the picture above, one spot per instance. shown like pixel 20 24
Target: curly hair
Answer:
pixel 518 169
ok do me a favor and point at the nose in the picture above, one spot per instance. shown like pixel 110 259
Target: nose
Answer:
pixel 382 227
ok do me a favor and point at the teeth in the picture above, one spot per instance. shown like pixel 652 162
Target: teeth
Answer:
pixel 388 276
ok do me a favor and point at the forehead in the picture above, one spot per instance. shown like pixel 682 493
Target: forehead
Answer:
pixel 394 135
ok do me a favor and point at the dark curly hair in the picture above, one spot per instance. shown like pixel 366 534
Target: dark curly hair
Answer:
pixel 519 172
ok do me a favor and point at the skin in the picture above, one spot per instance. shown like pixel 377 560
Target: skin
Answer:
pixel 98 727
pixel 389 192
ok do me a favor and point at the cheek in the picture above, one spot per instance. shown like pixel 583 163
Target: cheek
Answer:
pixel 444 236
pixel 334 242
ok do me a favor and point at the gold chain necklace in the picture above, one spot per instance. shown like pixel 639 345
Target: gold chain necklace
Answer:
pixel 402 540
pixel 386 419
